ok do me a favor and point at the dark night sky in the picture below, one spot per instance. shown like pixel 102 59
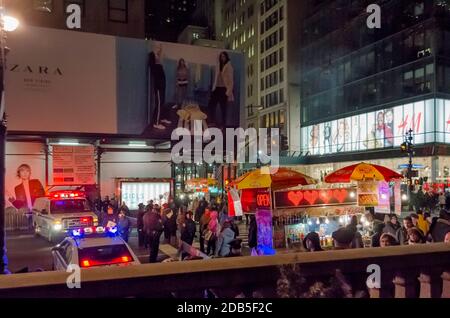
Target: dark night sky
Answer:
pixel 166 19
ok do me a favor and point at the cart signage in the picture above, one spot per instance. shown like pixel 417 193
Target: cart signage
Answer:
pixel 313 198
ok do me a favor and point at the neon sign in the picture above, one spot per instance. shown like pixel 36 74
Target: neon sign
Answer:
pixel 311 198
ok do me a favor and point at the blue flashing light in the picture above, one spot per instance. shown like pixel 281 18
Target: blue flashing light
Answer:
pixel 76 233
pixel 112 230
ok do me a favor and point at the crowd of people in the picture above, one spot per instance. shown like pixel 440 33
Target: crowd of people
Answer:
pixel 417 228
pixel 217 233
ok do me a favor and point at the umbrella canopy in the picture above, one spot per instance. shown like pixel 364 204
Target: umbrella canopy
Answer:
pixel 361 172
pixel 275 179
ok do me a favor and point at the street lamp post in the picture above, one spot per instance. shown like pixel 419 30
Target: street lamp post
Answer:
pixel 408 147
pixel 7 24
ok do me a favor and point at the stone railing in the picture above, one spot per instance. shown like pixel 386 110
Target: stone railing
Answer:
pixel 406 272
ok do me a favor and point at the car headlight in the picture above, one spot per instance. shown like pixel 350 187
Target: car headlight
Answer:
pixel 57 226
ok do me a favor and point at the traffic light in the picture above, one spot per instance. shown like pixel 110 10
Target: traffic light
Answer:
pixel 404 147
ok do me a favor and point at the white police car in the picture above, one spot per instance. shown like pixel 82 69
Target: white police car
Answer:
pixel 57 214
pixel 93 247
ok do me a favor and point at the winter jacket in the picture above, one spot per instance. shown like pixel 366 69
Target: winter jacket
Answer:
pixel 253 235
pixel 188 231
pixel 123 227
pixel 423 225
pixel 170 225
pixel 214 225
pixel 223 247
pixel 140 219
pixel 152 223
pixel 394 230
pixel 440 229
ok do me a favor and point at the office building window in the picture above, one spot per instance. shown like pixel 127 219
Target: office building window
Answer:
pixel 43 5
pixel 118 11
pixel 81 3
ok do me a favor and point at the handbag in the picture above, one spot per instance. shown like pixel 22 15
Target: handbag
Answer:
pixel 208 235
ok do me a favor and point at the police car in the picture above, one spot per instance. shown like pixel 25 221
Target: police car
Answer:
pixel 57 214
pixel 93 247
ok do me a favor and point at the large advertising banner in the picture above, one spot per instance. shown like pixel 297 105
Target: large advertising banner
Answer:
pixel 134 193
pixel 61 81
pixel 24 175
pixel 73 165
pixel 188 83
pixel 382 129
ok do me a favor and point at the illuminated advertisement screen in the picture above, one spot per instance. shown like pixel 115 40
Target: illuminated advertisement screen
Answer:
pixel 133 193
pixel 382 129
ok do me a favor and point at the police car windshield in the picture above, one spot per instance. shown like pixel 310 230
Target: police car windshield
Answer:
pixel 68 206
pixel 104 255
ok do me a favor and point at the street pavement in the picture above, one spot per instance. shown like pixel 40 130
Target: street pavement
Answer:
pixel 24 250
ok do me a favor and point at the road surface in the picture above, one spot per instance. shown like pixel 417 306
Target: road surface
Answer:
pixel 24 250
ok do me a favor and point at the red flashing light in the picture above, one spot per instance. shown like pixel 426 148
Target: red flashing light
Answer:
pixel 84 219
pixel 66 194
pixel 85 263
pixel 125 259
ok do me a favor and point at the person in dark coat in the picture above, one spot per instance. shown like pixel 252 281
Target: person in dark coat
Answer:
pixel 253 233
pixel 170 226
pixel 123 226
pixel 140 225
pixel 441 227
pixel 109 219
pixel 234 227
pixel 188 230
pixel 394 228
pixel 153 227
pixel 378 229
pixel 357 238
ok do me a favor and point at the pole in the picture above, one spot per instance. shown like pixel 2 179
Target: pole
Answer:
pixel 3 256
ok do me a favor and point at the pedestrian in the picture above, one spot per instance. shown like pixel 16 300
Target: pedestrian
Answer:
pixel 415 236
pixel 200 209
pixel 415 219
pixel 223 214
pixel 204 221
pixel 253 235
pixel 447 238
pixel 394 228
pixel 226 236
pixel 123 226
pixel 343 238
pixel 234 227
pixel 170 226
pixel 181 220
pixel 109 219
pixel 357 239
pixel 236 248
pixel 422 223
pixel 441 227
pixel 311 242
pixel 105 204
pixel 140 224
pixel 153 227
pixel 407 224
pixel 212 233
pixel 378 229
pixel 442 200
pixel 188 229
pixel 387 239
pixel 125 208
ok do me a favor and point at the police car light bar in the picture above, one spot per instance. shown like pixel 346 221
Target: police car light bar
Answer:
pixel 66 194
pixel 94 230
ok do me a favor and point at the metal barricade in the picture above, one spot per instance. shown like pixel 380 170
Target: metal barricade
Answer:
pixel 16 220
